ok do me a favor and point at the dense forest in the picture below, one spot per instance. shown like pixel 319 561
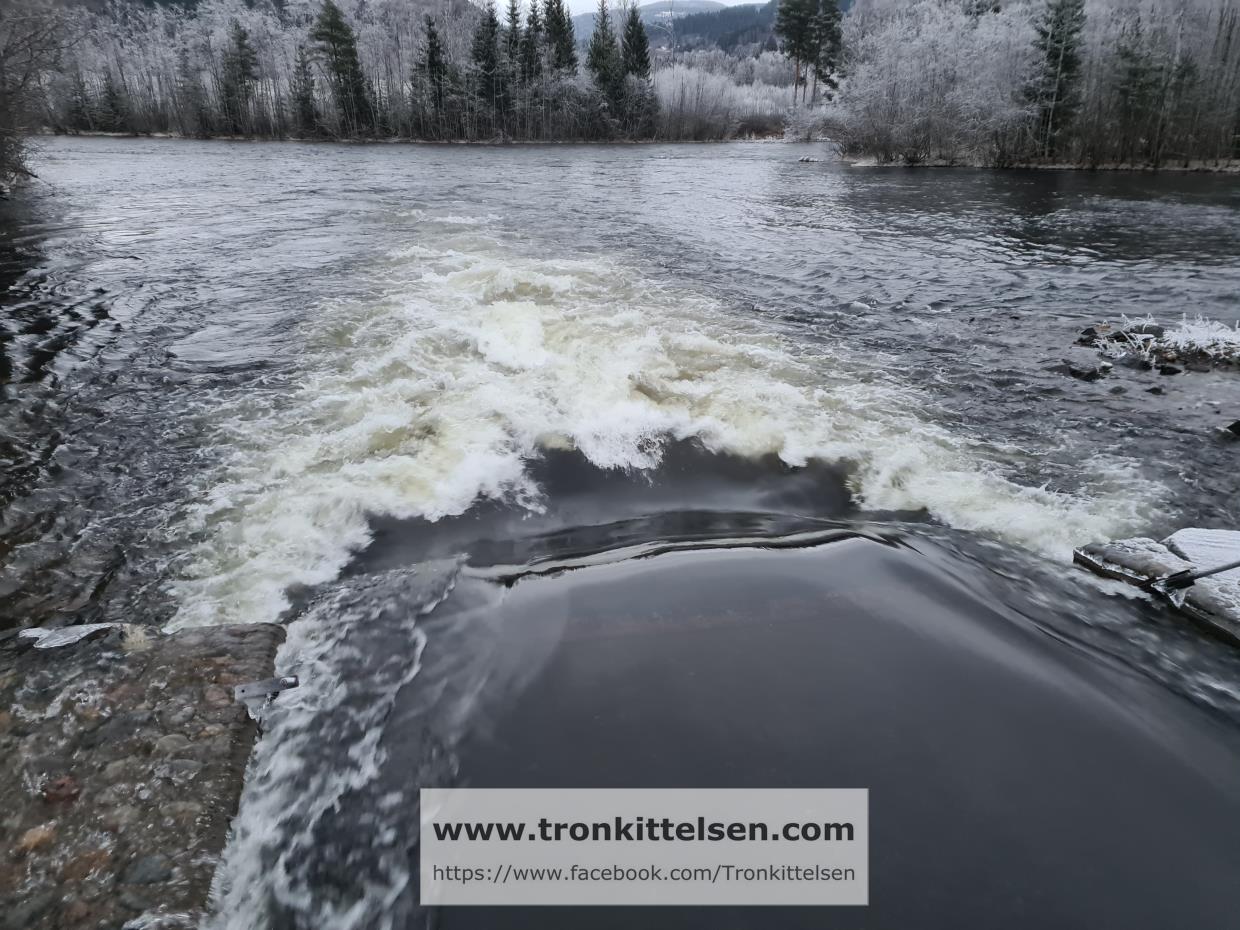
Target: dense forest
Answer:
pixel 987 82
pixel 1080 82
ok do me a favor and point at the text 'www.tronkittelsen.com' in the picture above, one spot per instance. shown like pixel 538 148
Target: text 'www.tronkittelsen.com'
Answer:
pixel 645 846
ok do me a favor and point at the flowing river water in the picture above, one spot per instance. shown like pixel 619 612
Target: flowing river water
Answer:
pixel 644 465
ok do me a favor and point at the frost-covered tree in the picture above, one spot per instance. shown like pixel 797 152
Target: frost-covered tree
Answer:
pixel 825 48
pixel 560 39
pixel 603 55
pixel 337 43
pixel 305 109
pixel 33 39
pixel 240 71
pixel 795 24
pixel 1056 91
pixel 434 65
pixel 532 45
pixel 635 46
pixel 487 61
pixel 638 104
pixel 113 106
pixel 512 33
pixel 931 82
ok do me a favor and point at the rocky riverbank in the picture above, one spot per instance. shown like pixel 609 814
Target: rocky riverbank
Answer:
pixel 121 762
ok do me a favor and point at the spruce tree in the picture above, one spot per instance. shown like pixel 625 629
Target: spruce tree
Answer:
pixel 794 24
pixel 512 34
pixel 240 71
pixel 434 65
pixel 1138 81
pixel 80 116
pixel 826 38
pixel 561 42
pixel 305 111
pixel 114 114
pixel 531 45
pixel 486 57
pixel 336 41
pixel 1056 93
pixel 636 46
pixel 193 113
pixel 603 55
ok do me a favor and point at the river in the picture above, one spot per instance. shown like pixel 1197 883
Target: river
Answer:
pixel 411 399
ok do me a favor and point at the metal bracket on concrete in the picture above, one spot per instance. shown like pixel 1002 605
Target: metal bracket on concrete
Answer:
pixel 268 687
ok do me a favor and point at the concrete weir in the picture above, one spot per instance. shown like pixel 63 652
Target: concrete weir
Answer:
pixel 122 756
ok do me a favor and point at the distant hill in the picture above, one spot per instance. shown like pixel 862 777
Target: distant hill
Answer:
pixel 703 23
pixel 653 14
pixel 733 26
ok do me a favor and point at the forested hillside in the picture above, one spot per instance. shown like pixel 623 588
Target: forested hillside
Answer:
pixel 1081 82
pixel 746 26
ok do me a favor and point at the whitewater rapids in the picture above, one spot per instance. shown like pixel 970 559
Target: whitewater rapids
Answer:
pixel 478 355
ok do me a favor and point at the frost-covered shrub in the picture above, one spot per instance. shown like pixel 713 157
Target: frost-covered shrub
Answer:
pixel 1194 341
pixel 697 104
pixel 931 83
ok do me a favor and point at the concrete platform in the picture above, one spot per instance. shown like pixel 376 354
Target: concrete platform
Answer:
pixel 121 761
pixel 1213 602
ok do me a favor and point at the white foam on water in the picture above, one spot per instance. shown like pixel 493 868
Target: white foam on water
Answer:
pixel 482 354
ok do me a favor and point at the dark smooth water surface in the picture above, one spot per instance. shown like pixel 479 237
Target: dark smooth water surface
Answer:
pixel 475 422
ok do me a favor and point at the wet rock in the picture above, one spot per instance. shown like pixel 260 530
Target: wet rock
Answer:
pixel 1150 330
pixel 1080 373
pixel 1118 389
pixel 132 901
pixel 120 817
pixel 1233 429
pixel 1089 336
pixel 184 810
pixel 84 865
pixel 36 838
pixel 25 914
pixel 115 771
pixel 171 744
pixel 177 717
pixel 217 696
pixel 1169 370
pixel 182 770
pixel 148 870
pixel 61 790
pixel 76 912
pixel 1155 390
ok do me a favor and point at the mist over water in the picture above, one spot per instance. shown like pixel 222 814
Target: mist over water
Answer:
pixel 394 396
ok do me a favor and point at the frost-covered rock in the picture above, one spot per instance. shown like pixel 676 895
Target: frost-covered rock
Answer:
pixel 1198 345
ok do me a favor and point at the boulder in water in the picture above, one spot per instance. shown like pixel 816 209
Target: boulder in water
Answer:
pixel 1093 373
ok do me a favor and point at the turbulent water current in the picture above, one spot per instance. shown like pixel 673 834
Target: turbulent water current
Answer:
pixel 409 400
